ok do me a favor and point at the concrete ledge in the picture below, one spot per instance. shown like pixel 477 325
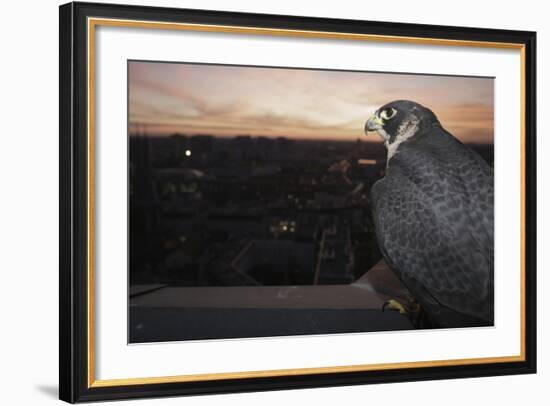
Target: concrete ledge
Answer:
pixel 160 313
pixel 148 324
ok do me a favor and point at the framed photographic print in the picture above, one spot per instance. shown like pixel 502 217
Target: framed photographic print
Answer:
pixel 253 202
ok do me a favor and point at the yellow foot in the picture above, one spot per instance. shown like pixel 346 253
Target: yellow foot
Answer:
pixel 394 305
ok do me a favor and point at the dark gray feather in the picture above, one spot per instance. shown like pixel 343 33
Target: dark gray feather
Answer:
pixel 433 214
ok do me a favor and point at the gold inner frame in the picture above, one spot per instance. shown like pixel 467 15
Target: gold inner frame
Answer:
pixel 94 22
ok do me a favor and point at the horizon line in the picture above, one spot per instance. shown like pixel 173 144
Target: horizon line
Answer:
pixel 364 138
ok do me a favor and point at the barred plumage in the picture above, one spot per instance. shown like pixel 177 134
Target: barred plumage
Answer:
pixel 433 213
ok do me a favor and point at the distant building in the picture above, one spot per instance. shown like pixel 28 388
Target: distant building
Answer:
pixel 335 258
pixel 240 211
pixel 276 262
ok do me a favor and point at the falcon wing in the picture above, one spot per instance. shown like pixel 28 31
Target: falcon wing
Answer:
pixel 432 242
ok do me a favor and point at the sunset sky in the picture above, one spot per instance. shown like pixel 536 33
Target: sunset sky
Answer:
pixel 228 100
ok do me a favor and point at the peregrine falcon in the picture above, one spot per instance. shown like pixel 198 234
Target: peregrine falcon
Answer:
pixel 433 214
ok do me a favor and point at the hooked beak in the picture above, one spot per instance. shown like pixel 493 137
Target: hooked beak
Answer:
pixel 373 123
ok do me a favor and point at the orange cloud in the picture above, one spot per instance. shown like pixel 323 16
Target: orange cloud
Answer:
pixel 228 100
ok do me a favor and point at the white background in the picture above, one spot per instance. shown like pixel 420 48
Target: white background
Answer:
pixel 29 221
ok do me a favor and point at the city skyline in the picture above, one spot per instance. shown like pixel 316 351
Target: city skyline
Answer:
pixel 221 100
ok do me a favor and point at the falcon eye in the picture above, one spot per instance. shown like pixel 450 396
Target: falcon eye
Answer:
pixel 388 113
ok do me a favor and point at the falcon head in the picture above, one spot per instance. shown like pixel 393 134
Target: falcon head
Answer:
pixel 400 120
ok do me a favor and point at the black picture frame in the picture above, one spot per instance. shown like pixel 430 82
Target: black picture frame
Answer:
pixel 74 361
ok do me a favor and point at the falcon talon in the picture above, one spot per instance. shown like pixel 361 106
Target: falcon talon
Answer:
pixel 394 305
